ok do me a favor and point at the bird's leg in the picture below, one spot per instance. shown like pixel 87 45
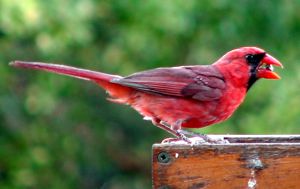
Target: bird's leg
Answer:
pixel 164 126
pixel 177 126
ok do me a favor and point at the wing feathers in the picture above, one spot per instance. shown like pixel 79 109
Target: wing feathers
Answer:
pixel 201 83
pixel 162 87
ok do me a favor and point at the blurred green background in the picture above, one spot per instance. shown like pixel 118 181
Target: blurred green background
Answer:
pixel 59 132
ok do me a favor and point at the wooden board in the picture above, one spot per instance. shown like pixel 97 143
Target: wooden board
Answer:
pixel 248 162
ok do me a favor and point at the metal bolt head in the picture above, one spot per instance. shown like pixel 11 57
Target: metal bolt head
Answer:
pixel 163 157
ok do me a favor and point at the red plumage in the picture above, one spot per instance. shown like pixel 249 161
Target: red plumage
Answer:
pixel 186 96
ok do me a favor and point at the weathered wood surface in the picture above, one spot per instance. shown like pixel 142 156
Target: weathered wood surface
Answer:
pixel 248 162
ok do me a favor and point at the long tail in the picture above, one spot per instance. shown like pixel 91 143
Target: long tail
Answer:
pixel 65 70
pixel 102 79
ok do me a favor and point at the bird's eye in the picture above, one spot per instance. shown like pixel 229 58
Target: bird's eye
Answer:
pixel 254 59
pixel 251 59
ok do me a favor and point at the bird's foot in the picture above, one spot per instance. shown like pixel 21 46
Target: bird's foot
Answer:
pixel 181 138
pixel 198 138
pixel 218 140
pixel 171 140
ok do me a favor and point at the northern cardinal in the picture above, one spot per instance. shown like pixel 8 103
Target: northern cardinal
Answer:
pixel 185 96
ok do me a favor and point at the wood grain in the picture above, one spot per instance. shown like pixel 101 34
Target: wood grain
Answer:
pixel 254 162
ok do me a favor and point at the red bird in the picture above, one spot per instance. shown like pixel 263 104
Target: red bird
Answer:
pixel 181 97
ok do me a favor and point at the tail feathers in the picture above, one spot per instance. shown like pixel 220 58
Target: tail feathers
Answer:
pixel 65 70
pixel 116 91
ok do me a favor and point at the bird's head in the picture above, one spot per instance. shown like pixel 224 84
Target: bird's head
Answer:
pixel 248 64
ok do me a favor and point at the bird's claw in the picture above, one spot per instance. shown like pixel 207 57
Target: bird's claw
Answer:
pixel 217 140
pixel 196 140
pixel 202 138
pixel 181 138
pixel 170 140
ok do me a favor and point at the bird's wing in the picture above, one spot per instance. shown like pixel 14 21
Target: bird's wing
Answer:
pixel 203 83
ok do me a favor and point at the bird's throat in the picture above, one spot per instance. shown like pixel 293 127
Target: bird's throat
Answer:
pixel 253 78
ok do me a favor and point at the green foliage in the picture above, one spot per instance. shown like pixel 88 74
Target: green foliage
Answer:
pixel 58 132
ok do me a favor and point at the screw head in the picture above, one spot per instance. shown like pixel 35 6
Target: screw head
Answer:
pixel 163 157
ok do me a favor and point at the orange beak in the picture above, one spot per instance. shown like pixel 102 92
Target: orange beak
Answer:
pixel 265 69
